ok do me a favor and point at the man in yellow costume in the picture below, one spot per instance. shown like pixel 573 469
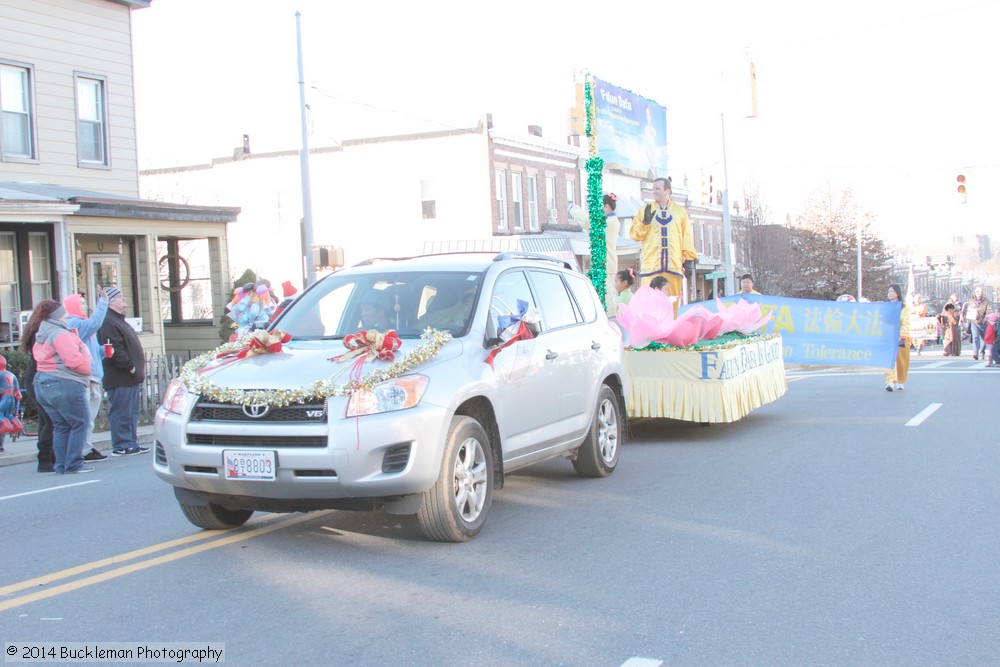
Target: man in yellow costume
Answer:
pixel 664 230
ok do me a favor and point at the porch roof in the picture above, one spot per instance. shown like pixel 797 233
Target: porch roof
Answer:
pixel 100 204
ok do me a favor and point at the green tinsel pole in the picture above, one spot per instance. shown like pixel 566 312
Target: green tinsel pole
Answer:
pixel 595 199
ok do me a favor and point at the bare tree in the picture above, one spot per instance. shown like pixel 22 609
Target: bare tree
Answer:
pixel 824 245
pixel 760 248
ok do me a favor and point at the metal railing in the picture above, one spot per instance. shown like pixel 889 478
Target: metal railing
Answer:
pixel 160 370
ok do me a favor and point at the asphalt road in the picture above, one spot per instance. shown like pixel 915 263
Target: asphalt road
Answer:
pixel 840 525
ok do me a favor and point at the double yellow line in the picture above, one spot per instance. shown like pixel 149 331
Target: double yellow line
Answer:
pixel 225 537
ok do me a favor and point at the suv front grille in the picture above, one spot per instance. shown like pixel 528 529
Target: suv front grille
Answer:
pixel 305 413
pixel 264 441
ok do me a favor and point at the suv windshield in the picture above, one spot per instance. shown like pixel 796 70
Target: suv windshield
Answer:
pixel 409 302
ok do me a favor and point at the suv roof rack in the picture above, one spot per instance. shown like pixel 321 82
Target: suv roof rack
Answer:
pixel 375 260
pixel 535 256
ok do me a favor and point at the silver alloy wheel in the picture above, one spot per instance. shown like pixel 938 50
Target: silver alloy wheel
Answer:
pixel 607 430
pixel 470 479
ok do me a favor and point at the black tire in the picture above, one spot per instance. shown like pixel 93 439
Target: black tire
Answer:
pixel 455 508
pixel 214 517
pixel 598 455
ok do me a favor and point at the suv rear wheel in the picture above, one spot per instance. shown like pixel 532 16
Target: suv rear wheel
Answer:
pixel 455 508
pixel 214 517
pixel 598 455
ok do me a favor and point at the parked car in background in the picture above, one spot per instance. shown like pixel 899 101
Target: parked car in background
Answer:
pixel 503 361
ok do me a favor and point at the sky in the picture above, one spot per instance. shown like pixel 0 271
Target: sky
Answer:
pixel 890 98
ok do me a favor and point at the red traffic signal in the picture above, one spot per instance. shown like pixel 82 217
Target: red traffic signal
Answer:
pixel 961 184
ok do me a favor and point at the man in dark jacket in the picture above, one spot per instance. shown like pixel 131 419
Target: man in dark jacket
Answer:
pixel 124 371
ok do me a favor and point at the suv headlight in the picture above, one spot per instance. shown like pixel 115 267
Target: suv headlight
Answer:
pixel 396 394
pixel 176 397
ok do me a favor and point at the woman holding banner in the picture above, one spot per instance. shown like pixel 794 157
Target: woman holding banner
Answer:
pixel 895 378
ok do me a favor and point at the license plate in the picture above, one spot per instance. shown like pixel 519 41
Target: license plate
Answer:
pixel 253 464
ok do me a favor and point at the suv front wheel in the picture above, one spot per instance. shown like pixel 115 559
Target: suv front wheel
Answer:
pixel 214 517
pixel 598 455
pixel 455 508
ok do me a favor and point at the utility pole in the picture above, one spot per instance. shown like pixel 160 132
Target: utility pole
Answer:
pixel 727 228
pixel 308 238
pixel 859 259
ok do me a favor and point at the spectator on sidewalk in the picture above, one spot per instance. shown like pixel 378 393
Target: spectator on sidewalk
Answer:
pixel 86 329
pixel 124 372
pixel 61 387
pixel 993 340
pixel 46 455
pixel 975 311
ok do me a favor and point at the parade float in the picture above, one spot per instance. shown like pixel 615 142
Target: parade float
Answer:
pixel 702 366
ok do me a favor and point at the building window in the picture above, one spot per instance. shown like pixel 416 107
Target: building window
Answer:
pixel 501 188
pixel 428 200
pixel 533 202
pixel 10 302
pixel 550 197
pixel 41 266
pixel 17 139
pixel 91 121
pixel 518 201
pixel 185 280
pixel 571 192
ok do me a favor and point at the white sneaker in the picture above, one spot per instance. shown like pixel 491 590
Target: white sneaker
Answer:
pixel 888 386
pixel 899 387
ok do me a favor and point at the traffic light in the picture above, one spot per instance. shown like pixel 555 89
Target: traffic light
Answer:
pixel 328 257
pixel 711 191
pixel 961 186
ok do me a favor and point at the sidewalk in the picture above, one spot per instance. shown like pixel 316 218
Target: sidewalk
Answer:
pixel 25 449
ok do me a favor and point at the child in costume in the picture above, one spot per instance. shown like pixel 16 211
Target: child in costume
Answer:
pixel 10 402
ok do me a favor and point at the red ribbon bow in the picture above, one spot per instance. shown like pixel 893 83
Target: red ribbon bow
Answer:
pixel 522 333
pixel 260 342
pixel 368 345
pixel 372 344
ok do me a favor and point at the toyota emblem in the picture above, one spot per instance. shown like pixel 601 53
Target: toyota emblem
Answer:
pixel 256 411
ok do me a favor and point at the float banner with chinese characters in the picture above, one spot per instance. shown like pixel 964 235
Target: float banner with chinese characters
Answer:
pixel 829 333
pixel 631 131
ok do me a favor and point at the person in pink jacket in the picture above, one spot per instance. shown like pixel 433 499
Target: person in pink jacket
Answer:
pixel 61 387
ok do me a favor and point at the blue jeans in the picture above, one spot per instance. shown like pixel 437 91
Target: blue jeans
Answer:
pixel 68 406
pixel 123 416
pixel 978 333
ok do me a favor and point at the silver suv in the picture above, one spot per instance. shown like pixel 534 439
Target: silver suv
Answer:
pixel 501 361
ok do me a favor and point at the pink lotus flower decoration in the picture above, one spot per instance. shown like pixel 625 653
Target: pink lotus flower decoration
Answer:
pixel 649 316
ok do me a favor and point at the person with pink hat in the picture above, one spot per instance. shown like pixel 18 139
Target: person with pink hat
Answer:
pixel 87 328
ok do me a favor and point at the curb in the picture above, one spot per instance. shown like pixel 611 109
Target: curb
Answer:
pixel 25 449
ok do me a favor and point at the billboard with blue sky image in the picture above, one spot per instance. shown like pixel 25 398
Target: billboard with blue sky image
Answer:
pixel 631 131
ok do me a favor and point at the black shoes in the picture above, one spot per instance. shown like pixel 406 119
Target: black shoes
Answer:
pixel 94 455
pixel 131 451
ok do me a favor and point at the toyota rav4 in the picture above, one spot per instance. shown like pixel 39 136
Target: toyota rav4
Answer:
pixel 407 385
